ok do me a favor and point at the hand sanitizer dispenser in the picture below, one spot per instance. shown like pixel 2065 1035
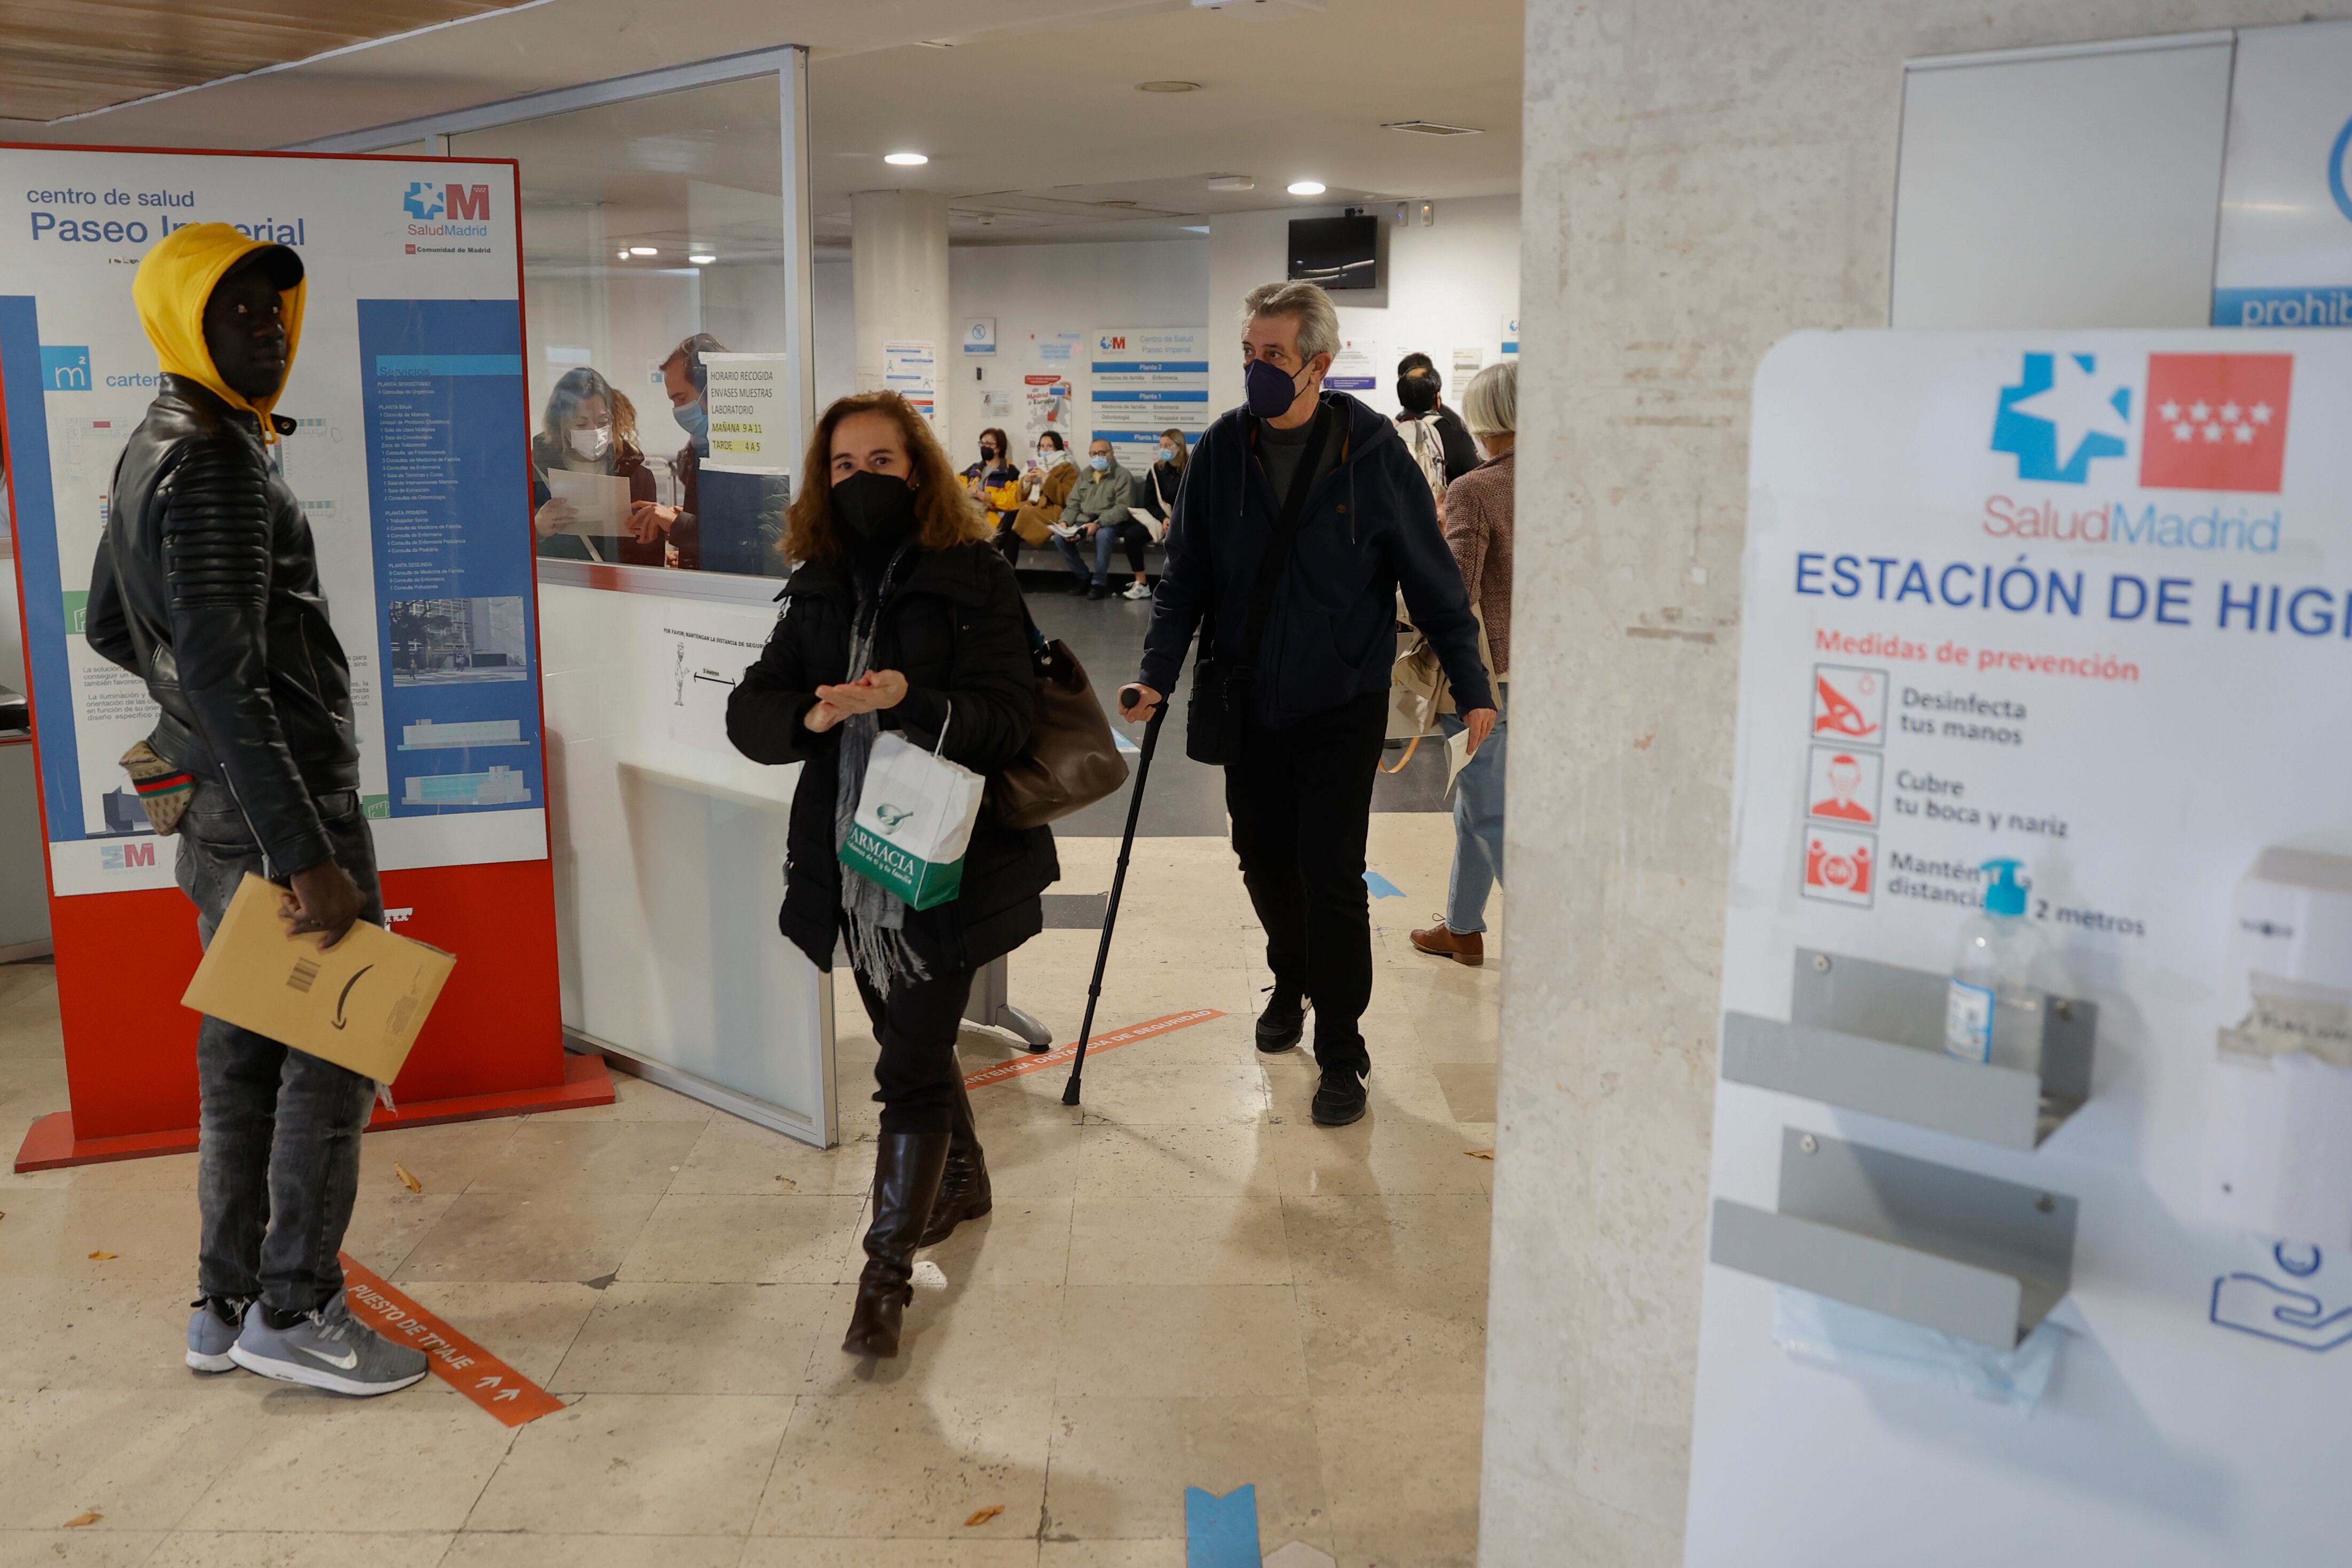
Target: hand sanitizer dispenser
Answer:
pixel 2279 1146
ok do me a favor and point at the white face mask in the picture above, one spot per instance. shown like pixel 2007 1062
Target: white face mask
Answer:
pixel 591 442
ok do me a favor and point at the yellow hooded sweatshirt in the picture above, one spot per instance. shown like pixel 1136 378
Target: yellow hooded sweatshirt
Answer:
pixel 170 288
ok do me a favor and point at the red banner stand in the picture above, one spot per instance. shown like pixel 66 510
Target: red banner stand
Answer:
pixel 493 1046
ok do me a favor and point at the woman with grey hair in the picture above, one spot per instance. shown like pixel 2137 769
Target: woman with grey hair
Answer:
pixel 1477 516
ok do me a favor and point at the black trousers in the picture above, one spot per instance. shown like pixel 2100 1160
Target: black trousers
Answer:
pixel 1301 801
pixel 915 1079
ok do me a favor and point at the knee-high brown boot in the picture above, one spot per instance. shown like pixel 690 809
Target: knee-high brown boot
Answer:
pixel 963 1189
pixel 906 1171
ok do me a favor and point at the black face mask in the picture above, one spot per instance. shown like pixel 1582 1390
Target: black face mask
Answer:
pixel 874 506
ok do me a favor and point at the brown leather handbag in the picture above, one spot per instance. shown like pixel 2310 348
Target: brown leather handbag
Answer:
pixel 1071 760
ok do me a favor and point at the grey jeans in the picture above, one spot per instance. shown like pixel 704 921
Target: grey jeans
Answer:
pixel 278 1158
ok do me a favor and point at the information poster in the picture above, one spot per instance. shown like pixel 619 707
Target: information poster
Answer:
pixel 910 368
pixel 407 458
pixel 1356 368
pixel 2284 254
pixel 2082 600
pixel 1045 404
pixel 750 424
pixel 1145 380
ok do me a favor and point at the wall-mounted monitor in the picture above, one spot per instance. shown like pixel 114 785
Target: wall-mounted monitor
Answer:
pixel 1337 253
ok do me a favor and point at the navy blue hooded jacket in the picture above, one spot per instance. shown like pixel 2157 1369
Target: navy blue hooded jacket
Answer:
pixel 1369 528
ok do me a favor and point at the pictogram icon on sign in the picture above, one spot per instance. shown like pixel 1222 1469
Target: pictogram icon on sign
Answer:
pixel 1843 786
pixel 1850 705
pixel 2216 421
pixel 1840 866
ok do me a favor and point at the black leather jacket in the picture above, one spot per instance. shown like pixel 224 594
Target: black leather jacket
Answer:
pixel 206 587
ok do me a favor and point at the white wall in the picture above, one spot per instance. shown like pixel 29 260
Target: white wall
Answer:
pixel 1703 177
pixel 1446 286
pixel 1050 288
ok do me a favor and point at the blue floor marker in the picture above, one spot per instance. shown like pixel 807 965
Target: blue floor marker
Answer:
pixel 1381 886
pixel 1221 1532
pixel 1124 744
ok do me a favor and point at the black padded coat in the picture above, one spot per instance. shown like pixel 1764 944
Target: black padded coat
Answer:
pixel 206 586
pixel 955 628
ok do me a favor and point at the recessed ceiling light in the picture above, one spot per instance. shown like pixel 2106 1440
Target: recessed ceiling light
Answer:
pixel 1167 87
pixel 620 255
pixel 905 159
pixel 649 250
pixel 1305 187
pixel 702 259
pixel 1194 228
pixel 1432 127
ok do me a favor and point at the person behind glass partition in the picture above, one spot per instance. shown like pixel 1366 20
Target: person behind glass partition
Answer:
pixel 677 531
pixel 588 428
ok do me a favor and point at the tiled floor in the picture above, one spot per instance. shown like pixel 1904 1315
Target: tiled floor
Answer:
pixel 1184 1283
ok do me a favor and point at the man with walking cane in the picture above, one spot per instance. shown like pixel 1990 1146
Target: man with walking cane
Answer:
pixel 1301 516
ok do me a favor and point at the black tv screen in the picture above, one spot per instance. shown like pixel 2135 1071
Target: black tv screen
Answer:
pixel 1337 253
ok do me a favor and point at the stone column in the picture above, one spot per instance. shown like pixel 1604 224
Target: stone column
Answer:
pixel 898 274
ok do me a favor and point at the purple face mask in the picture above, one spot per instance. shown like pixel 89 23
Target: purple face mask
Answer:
pixel 1271 391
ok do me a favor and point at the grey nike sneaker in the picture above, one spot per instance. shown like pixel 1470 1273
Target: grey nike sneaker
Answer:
pixel 212 1329
pixel 327 1349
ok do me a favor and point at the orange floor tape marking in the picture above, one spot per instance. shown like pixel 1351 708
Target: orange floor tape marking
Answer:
pixel 1061 1055
pixel 460 1362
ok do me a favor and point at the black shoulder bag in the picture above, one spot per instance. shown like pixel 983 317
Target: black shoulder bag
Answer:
pixel 1220 705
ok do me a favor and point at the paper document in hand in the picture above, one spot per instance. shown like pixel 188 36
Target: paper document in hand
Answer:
pixel 1457 755
pixel 601 501
pixel 1064 530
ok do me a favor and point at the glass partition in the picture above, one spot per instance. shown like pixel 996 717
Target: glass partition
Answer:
pixel 655 279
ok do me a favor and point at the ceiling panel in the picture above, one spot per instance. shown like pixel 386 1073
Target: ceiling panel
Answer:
pixel 71 56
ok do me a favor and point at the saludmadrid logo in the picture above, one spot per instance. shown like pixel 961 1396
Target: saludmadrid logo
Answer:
pixel 2211 424
pixel 437 211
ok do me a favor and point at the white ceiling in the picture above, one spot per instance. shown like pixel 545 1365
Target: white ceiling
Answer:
pixel 1034 122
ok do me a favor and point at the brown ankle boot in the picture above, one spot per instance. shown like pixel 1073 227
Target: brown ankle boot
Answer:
pixel 1442 941
pixel 906 1180
pixel 963 1189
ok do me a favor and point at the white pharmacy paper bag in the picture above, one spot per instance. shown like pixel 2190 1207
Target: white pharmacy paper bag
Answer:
pixel 914 819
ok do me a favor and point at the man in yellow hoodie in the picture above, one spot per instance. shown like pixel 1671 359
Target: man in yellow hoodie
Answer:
pixel 206 586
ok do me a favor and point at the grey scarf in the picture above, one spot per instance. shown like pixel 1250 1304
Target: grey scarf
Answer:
pixel 876 917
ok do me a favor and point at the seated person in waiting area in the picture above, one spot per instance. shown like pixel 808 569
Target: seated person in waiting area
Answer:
pixel 1098 511
pixel 1045 489
pixel 997 483
pixel 589 428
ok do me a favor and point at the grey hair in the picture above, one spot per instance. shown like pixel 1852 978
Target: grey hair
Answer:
pixel 1318 323
pixel 1491 406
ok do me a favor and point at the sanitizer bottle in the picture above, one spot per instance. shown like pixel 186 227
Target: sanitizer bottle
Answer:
pixel 1993 1010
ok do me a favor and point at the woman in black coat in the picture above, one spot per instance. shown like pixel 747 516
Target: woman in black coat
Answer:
pixel 902 616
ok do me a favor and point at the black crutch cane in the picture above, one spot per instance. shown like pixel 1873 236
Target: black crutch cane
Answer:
pixel 1117 884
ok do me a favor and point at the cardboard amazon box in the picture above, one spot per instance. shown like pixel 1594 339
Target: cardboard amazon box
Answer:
pixel 358 1004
